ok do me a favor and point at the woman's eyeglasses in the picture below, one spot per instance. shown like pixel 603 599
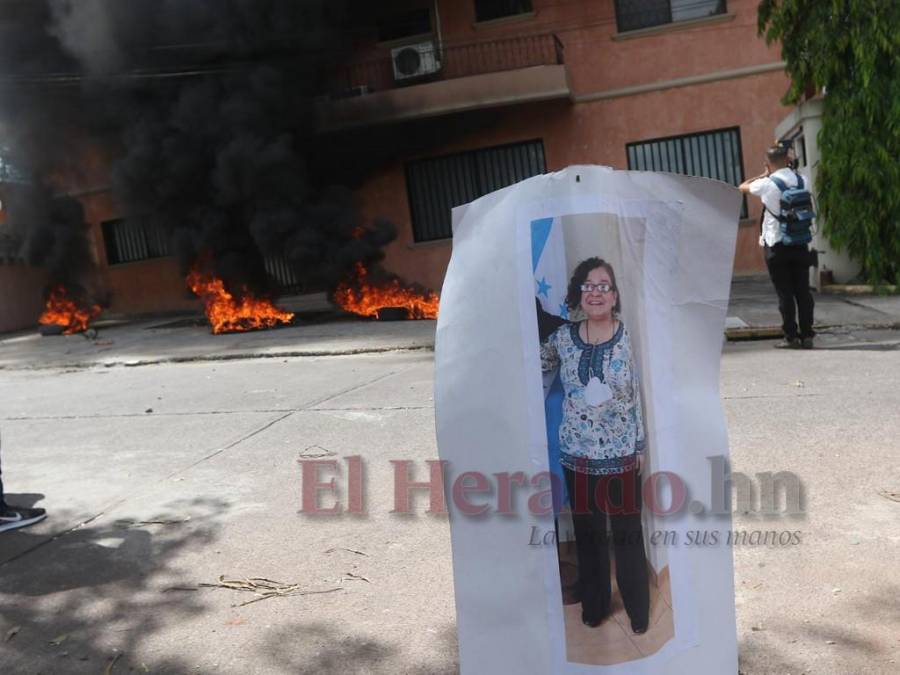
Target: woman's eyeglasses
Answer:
pixel 603 287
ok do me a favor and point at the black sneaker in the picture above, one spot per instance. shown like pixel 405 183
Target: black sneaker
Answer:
pixel 806 343
pixel 14 517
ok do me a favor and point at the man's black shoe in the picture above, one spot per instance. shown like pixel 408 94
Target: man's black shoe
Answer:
pixel 788 343
pixel 14 517
pixel 806 343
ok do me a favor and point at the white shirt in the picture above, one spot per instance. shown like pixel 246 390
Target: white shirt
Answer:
pixel 770 195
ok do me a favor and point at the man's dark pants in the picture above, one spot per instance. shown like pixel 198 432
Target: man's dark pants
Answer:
pixel 789 270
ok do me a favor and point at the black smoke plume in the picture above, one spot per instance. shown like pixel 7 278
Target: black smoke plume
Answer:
pixel 205 108
pixel 58 235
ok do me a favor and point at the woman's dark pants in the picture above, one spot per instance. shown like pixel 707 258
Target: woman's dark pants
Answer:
pixel 618 497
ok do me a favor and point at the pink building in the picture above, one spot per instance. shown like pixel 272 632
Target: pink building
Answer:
pixel 476 94
pixel 445 100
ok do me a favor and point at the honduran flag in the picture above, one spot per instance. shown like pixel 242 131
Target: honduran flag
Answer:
pixel 548 261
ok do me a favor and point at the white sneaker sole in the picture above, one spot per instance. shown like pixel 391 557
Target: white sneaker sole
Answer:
pixel 15 525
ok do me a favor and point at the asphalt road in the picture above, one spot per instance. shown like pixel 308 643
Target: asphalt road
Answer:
pixel 831 416
pixel 162 477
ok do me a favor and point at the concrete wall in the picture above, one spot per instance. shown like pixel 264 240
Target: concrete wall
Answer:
pixel 142 287
pixel 21 296
pixel 149 286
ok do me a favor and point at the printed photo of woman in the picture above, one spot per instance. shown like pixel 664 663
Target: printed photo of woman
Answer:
pixel 601 440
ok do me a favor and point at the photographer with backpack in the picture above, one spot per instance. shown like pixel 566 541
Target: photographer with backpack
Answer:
pixel 787 229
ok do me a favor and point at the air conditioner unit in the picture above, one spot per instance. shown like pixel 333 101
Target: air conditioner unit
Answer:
pixel 417 60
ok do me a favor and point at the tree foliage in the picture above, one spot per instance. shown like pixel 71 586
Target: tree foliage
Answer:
pixel 850 50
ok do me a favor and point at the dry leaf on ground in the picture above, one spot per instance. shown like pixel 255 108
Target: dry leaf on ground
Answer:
pixel 349 550
pixel 315 452
pixel 111 664
pixel 350 576
pixel 264 588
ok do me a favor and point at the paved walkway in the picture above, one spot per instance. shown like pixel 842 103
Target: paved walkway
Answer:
pixel 754 305
pixel 173 340
pixel 319 331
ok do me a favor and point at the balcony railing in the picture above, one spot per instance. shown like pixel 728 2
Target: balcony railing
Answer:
pixel 449 62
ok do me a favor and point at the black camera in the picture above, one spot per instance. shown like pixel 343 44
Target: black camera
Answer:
pixel 788 145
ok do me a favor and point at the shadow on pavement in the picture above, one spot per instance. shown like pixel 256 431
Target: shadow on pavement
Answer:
pixel 24 499
pixel 329 651
pixel 846 637
pixel 863 347
pixel 97 593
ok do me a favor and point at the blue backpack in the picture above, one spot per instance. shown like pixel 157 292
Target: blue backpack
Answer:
pixel 797 212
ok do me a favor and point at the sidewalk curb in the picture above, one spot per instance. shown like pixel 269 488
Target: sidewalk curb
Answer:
pixel 858 289
pixel 237 356
pixel 771 332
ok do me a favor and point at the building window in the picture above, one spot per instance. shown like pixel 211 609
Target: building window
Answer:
pixel 9 248
pixel 8 172
pixel 398 25
pixel 132 240
pixel 636 14
pixel 283 276
pixel 712 154
pixel 436 185
pixel 485 10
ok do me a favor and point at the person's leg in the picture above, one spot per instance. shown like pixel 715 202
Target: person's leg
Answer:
pixel 802 294
pixel 14 517
pixel 780 274
pixel 592 547
pixel 628 542
pixel 2 501
pixel 568 570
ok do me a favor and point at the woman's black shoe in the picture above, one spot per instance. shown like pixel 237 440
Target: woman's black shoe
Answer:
pixel 591 623
pixel 639 628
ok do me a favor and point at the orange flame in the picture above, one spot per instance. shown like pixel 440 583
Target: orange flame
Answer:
pixel 359 296
pixel 227 314
pixel 60 310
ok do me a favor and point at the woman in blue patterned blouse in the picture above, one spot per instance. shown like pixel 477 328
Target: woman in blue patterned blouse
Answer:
pixel 602 443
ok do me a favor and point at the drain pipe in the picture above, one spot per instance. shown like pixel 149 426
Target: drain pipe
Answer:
pixel 437 27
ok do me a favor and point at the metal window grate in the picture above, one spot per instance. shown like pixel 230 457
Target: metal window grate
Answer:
pixel 486 10
pixel 133 240
pixel 637 14
pixel 438 184
pixel 711 154
pixel 282 275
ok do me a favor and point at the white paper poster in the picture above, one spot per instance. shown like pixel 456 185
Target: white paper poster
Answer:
pixel 577 406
